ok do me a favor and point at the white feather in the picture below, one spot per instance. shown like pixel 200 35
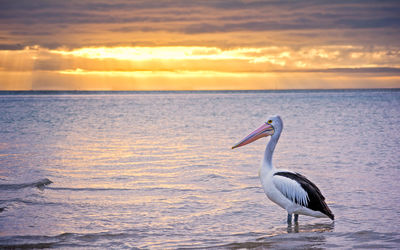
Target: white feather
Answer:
pixel 291 189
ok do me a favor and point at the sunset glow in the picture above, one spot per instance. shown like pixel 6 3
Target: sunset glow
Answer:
pixel 162 53
pixel 217 49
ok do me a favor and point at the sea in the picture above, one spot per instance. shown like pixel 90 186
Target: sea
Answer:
pixel 155 170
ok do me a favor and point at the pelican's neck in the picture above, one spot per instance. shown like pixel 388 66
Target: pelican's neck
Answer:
pixel 269 151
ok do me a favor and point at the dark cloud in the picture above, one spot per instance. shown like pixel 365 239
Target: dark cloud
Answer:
pixel 44 22
pixel 385 22
pixel 30 33
pixel 274 15
pixel 297 24
pixel 375 70
pixel 387 71
pixel 11 46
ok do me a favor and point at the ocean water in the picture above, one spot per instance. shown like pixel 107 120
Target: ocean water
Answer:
pixel 156 169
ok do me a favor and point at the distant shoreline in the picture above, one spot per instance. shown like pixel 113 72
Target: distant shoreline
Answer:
pixel 97 92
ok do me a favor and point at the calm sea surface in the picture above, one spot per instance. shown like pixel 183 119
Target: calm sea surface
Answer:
pixel 156 170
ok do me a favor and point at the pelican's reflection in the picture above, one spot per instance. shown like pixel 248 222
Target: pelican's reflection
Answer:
pixel 293 228
pixel 295 236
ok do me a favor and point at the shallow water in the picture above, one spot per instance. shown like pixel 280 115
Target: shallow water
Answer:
pixel 156 170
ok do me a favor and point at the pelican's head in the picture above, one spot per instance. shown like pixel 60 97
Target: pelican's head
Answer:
pixel 272 127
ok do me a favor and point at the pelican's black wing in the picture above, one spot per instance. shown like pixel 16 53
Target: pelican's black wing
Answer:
pixel 316 201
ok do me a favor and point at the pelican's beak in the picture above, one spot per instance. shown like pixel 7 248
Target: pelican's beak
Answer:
pixel 263 131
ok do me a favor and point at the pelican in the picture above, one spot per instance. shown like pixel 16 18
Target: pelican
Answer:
pixel 289 190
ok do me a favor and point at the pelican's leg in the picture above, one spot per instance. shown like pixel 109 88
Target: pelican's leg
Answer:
pixel 296 218
pixel 289 218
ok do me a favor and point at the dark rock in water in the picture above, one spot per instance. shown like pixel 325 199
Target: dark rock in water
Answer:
pixel 2 209
pixel 42 183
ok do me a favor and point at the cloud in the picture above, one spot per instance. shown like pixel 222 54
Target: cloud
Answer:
pixel 11 47
pixel 375 71
pixel 59 21
pixel 335 38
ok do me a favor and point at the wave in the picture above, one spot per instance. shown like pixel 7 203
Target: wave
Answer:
pixel 315 236
pixel 88 189
pixel 40 184
pixel 26 202
pixel 309 237
pixel 145 189
pixel 69 240
pixel 39 245
pixel 215 176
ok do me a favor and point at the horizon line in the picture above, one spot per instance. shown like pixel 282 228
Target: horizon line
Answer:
pixel 45 91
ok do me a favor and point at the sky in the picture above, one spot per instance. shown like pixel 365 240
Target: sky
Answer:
pixel 198 45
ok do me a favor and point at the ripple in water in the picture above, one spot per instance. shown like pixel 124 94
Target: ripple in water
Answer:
pixel 156 170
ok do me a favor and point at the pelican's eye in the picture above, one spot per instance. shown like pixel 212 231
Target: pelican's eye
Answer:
pixel 270 121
